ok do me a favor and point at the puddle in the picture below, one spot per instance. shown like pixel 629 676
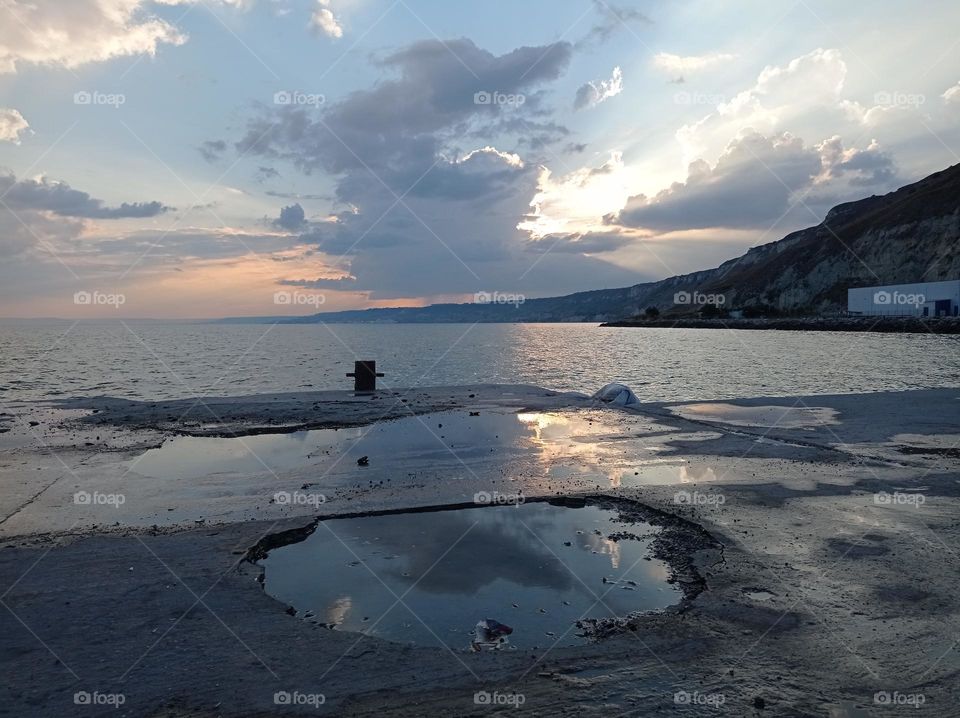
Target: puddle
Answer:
pixel 453 568
pixel 782 417
pixel 758 594
pixel 595 446
pixel 189 457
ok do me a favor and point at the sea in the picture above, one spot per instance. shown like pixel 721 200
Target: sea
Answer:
pixel 149 360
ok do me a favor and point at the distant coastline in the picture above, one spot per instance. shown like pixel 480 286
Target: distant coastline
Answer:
pixel 885 325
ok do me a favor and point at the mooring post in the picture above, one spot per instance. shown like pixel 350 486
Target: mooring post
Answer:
pixel 365 375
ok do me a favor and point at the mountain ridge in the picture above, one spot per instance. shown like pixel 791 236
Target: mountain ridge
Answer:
pixel 909 235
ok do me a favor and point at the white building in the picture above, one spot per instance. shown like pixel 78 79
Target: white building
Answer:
pixel 924 299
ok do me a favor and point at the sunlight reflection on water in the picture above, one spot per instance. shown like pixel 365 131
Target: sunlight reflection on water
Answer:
pixel 155 360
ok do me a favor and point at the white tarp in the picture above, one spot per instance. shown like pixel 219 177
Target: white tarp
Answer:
pixel 618 395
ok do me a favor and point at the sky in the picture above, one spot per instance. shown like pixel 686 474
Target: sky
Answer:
pixel 208 158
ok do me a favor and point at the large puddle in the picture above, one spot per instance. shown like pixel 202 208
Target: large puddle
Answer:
pixel 428 578
pixel 597 446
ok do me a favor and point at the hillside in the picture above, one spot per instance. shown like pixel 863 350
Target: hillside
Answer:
pixel 910 235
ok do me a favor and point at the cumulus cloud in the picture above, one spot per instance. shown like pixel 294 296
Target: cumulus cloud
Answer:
pixel 12 125
pixel 45 216
pixel 60 199
pixel 799 97
pixel 592 94
pixel 952 95
pixel 399 127
pixel 70 33
pixel 679 66
pixel 291 218
pixel 869 167
pixel 427 217
pixel 749 187
pixel 323 20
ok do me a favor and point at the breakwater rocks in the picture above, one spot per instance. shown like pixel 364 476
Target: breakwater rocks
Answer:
pixel 889 325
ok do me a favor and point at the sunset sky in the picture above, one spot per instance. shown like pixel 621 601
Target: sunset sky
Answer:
pixel 197 157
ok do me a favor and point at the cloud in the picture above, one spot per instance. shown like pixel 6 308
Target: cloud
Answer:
pixel 45 195
pixel 952 95
pixel 264 173
pixel 582 242
pixel 613 18
pixel 749 188
pixel 298 195
pixel 592 94
pixel 800 97
pixel 426 216
pixel 870 167
pixel 70 33
pixel 678 66
pixel 12 125
pixel 398 128
pixel 574 203
pixel 25 230
pixel 323 20
pixel 212 150
pixel 343 283
pixel 291 218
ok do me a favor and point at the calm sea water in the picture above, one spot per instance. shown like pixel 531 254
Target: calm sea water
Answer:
pixel 151 360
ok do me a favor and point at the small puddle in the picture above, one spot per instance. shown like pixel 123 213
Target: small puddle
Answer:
pixel 536 567
pixel 188 457
pixel 782 417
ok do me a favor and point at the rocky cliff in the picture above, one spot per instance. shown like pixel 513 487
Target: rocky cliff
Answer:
pixel 910 235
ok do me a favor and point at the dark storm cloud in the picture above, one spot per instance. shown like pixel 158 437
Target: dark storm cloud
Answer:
pixel 61 199
pixel 750 187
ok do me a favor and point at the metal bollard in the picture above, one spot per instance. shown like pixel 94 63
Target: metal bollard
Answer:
pixel 365 375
